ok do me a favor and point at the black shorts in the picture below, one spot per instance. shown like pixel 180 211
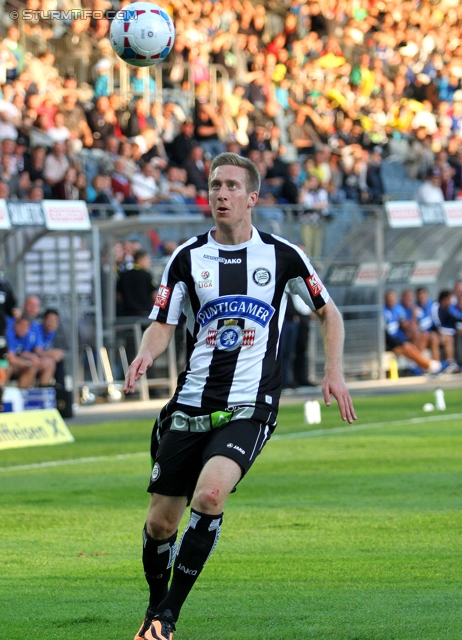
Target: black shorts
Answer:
pixel 180 456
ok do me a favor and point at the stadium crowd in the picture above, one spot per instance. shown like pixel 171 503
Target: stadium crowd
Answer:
pixel 318 94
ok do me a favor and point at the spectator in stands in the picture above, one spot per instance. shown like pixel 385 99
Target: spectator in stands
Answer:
pixel 145 187
pixel 103 195
pixel 55 165
pixel 174 187
pixel 291 185
pixel 430 191
pixel 65 189
pixel 374 177
pixel 196 169
pixel 121 185
pixel 302 134
pixel 12 41
pixel 182 144
pixel 76 47
pixel 207 129
pixel 58 132
pixel 74 118
pixel 101 120
pixel 138 119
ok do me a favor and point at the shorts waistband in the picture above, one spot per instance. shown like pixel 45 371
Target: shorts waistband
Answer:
pixel 180 421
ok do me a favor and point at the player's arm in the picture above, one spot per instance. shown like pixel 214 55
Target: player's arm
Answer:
pixel 154 342
pixel 332 332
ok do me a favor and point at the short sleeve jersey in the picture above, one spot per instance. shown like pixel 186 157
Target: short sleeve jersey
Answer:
pixel 234 298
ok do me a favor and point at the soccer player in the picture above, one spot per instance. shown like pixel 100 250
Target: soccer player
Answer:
pixel 232 284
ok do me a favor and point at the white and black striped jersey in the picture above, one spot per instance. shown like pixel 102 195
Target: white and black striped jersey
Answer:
pixel 234 298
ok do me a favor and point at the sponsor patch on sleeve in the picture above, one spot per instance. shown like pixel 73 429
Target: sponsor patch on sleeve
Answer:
pixel 314 284
pixel 162 297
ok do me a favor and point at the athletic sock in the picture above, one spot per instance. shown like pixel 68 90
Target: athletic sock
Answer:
pixel 435 366
pixel 197 543
pixel 158 558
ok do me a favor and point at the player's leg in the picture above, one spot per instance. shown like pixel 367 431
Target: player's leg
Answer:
pixel 217 479
pixel 159 550
pixel 225 465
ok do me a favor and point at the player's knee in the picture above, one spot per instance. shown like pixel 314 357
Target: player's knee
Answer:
pixel 160 526
pixel 209 500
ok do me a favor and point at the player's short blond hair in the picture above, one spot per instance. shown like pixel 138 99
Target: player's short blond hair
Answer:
pixel 252 180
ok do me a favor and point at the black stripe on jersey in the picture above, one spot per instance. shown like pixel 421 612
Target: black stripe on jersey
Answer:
pixel 232 279
pixel 291 265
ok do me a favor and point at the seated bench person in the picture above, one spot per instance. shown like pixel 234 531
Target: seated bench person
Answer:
pixel 24 364
pixel 397 341
pixel 44 348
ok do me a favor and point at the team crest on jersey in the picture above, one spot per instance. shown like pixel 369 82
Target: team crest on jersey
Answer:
pixel 163 294
pixel 204 278
pixel 314 284
pixel 230 336
pixel 261 276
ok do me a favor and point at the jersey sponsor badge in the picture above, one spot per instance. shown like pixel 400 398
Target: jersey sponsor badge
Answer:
pixel 162 296
pixel 261 276
pixel 314 284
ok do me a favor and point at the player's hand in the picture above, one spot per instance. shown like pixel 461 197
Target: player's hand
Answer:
pixel 138 367
pixel 334 385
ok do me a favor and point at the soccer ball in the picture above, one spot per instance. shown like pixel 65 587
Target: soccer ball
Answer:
pixel 142 34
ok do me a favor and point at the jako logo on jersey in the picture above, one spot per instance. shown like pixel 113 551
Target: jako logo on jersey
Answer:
pixel 314 284
pixel 224 260
pixel 162 297
pixel 236 307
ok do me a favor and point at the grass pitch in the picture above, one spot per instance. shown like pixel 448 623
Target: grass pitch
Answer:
pixel 337 533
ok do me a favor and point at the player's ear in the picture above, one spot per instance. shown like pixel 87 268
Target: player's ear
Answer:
pixel 253 198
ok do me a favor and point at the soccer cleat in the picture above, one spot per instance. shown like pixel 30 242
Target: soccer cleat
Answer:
pixel 160 630
pixel 148 618
pixel 144 627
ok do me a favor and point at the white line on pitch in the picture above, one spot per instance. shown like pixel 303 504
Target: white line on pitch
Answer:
pixel 372 425
pixel 63 463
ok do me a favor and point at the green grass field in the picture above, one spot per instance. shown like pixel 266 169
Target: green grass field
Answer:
pixel 338 533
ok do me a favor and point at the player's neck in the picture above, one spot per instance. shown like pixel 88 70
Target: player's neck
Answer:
pixel 229 235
